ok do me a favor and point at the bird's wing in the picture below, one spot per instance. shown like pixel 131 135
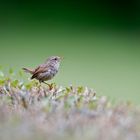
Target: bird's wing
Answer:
pixel 39 69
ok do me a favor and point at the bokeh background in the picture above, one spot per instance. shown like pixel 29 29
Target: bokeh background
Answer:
pixel 99 41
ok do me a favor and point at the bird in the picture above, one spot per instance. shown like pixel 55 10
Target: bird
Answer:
pixel 45 71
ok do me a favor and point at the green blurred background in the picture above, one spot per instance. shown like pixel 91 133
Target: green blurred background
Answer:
pixel 99 41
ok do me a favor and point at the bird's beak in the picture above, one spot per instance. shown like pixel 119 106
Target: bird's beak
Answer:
pixel 61 58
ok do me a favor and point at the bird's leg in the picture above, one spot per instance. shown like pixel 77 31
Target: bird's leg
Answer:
pixel 45 83
pixel 49 85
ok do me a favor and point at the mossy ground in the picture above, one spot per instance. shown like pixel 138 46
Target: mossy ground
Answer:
pixel 29 110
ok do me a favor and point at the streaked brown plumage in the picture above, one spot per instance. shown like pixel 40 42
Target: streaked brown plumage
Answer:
pixel 45 71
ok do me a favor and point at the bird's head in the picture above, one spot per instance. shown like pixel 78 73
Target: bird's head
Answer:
pixel 54 60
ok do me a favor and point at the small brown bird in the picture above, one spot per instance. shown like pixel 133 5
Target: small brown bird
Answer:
pixel 45 71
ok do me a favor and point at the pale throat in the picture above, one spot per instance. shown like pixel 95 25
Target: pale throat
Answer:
pixel 57 65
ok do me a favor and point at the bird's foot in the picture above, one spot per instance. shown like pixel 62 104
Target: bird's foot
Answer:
pixel 49 85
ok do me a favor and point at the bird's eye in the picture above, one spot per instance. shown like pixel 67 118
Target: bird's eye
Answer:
pixel 55 58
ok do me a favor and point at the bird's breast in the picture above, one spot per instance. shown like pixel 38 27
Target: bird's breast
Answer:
pixel 53 71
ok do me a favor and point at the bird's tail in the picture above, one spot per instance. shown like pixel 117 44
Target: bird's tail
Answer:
pixel 28 70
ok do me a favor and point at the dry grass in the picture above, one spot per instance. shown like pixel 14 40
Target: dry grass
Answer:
pixel 30 111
